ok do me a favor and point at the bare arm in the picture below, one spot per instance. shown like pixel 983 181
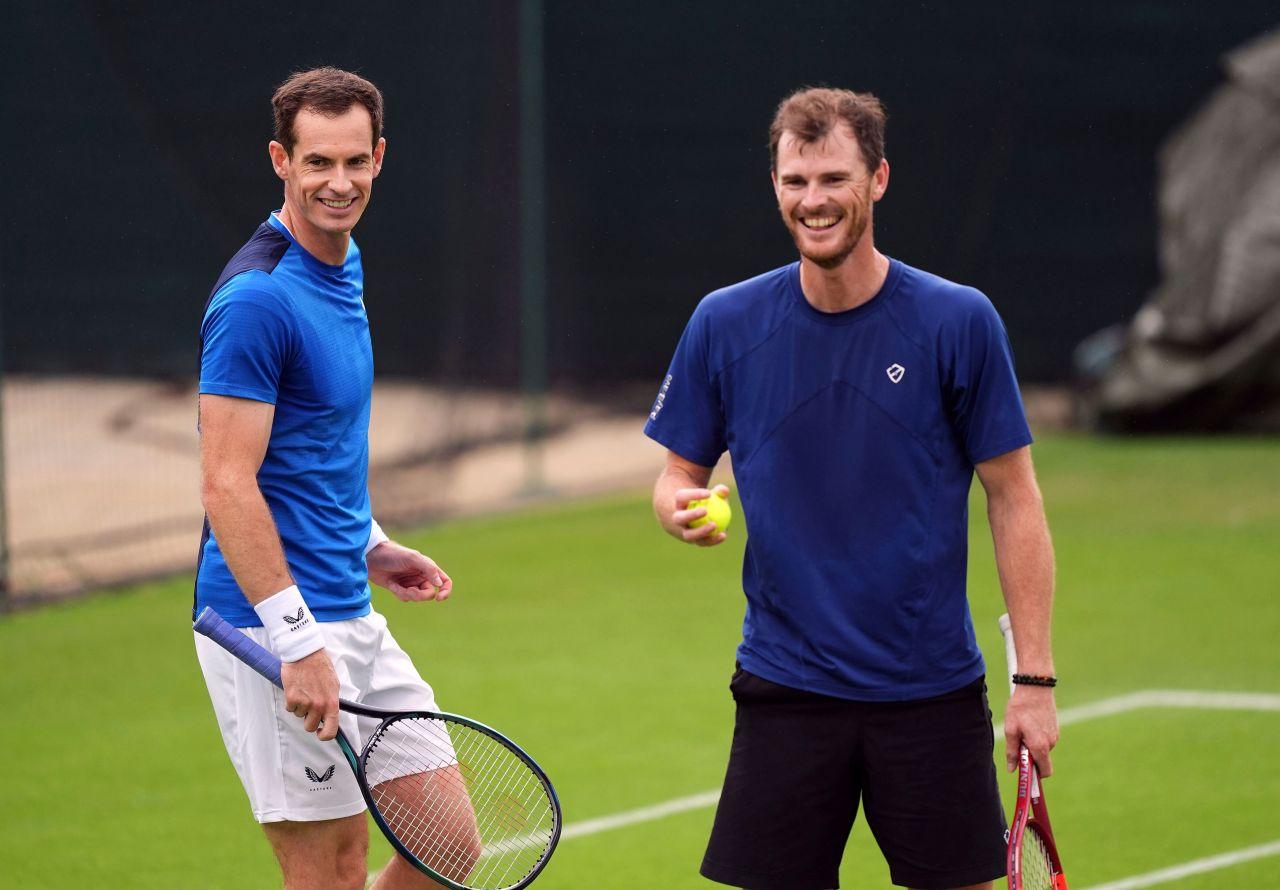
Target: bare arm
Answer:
pixel 1024 558
pixel 680 482
pixel 233 440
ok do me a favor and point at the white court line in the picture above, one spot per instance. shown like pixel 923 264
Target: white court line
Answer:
pixel 644 814
pixel 1107 707
pixel 1198 867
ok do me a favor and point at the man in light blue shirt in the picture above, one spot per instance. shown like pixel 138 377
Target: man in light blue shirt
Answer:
pixel 286 376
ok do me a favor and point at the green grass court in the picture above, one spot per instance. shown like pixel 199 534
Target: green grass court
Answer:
pixel 605 648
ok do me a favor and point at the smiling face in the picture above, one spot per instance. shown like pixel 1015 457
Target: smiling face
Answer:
pixel 826 193
pixel 328 177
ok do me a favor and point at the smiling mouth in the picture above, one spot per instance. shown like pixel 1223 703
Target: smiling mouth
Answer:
pixel 337 205
pixel 818 223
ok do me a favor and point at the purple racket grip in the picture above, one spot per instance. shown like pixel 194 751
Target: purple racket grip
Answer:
pixel 212 625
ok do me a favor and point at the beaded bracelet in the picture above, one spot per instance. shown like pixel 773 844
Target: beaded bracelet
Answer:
pixel 1034 680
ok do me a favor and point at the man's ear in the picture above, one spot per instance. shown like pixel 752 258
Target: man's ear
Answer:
pixel 279 159
pixel 880 180
pixel 379 151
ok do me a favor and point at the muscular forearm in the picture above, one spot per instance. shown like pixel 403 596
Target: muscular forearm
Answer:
pixel 1024 558
pixel 247 537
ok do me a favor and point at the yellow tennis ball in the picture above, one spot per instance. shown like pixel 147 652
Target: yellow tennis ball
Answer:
pixel 717 511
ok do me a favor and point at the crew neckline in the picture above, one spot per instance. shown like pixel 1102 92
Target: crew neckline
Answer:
pixel 845 316
pixel 276 222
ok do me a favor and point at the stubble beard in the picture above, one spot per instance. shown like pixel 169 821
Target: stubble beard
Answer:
pixel 832 260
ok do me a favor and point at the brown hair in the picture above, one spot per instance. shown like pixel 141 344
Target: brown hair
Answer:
pixel 328 91
pixel 811 113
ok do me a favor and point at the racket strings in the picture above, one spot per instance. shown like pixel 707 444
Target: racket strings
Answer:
pixel 460 801
pixel 1036 865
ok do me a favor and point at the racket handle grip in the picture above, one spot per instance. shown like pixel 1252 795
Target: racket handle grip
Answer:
pixel 1010 653
pixel 213 626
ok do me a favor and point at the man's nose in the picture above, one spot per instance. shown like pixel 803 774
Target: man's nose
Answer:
pixel 340 182
pixel 814 197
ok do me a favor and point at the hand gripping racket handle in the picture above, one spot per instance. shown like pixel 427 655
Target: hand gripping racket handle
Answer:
pixel 1011 657
pixel 212 625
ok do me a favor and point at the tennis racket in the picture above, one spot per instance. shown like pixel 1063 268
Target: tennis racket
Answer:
pixel 1033 856
pixel 458 800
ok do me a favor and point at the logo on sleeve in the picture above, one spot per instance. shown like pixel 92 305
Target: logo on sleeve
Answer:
pixel 895 372
pixel 662 397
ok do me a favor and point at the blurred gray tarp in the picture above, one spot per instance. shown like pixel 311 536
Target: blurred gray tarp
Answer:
pixel 1204 352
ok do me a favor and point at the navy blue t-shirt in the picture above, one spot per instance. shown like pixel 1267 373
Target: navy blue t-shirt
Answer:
pixel 285 328
pixel 853 437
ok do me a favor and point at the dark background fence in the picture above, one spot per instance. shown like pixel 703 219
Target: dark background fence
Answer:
pixel 1022 138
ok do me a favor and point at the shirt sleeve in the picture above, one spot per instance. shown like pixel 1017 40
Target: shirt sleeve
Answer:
pixel 245 345
pixel 688 416
pixel 981 385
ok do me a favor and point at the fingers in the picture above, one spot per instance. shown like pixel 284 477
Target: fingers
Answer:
pixel 701 533
pixel 444 587
pixel 328 728
pixel 438 587
pixel 1012 744
pixel 1043 763
pixel 684 517
pixel 311 719
pixel 311 693
pixel 685 495
pixel 1038 742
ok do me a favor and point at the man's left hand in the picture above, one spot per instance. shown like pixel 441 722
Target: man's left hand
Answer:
pixel 408 574
pixel 1031 719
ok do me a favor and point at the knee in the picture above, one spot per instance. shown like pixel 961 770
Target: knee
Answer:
pixel 351 863
pixel 458 852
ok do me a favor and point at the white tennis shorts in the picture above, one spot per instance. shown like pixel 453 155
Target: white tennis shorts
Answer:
pixel 289 774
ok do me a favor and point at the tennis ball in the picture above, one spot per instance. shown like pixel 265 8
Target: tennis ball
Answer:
pixel 717 511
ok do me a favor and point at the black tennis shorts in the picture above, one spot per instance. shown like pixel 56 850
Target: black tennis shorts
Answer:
pixel 801 762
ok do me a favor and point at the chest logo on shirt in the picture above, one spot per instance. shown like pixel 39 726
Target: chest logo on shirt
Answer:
pixel 895 372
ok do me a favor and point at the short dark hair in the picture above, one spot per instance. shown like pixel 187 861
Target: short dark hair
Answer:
pixel 328 91
pixel 812 112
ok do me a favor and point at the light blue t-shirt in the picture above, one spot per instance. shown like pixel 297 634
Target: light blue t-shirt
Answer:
pixel 284 328
pixel 853 437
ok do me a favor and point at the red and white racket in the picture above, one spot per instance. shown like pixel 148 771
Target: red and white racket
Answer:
pixel 1033 856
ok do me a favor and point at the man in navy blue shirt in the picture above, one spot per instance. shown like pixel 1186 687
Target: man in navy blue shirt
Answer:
pixel 286 375
pixel 857 396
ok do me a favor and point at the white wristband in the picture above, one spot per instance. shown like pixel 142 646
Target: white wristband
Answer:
pixel 376 536
pixel 293 629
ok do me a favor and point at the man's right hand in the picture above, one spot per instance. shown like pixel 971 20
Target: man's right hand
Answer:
pixel 311 692
pixel 677 521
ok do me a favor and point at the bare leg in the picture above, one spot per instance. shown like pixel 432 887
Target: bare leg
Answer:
pixel 985 886
pixel 321 855
pixel 432 815
pixel 400 875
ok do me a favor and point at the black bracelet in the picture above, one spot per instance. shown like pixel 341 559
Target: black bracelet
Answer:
pixel 1034 680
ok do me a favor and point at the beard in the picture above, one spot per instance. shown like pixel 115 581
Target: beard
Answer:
pixel 833 256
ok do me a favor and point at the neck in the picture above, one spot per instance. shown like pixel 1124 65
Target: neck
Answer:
pixel 848 285
pixel 327 247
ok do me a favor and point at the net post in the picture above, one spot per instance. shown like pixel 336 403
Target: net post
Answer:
pixel 533 244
